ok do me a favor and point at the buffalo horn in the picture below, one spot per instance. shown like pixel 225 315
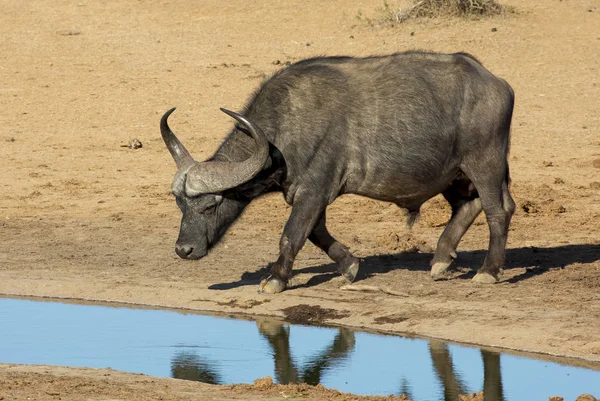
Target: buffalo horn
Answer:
pixel 182 157
pixel 218 176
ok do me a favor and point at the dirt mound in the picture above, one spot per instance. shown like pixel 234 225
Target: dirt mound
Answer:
pixel 311 314
pixel 404 242
pixel 265 386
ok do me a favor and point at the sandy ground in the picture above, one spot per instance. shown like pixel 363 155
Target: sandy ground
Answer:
pixel 82 216
pixel 52 383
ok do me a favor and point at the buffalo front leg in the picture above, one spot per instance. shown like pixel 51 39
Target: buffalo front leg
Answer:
pixel 305 215
pixel 339 253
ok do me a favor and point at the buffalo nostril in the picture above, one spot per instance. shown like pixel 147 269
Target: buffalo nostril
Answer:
pixel 184 250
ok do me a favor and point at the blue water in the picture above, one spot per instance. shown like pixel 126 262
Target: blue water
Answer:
pixel 224 350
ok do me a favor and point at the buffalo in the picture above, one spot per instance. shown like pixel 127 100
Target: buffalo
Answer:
pixel 398 128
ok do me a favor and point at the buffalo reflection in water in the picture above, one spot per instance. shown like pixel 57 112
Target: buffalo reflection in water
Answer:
pixel 451 381
pixel 189 366
pixel 286 371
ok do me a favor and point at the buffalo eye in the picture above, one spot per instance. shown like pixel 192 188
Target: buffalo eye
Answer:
pixel 210 208
pixel 207 205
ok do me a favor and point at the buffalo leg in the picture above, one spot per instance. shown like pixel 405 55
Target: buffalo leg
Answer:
pixel 491 182
pixel 278 337
pixel 465 209
pixel 492 377
pixel 306 212
pixel 444 367
pixel 339 253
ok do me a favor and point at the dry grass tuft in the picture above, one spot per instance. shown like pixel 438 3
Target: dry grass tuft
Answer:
pixel 444 8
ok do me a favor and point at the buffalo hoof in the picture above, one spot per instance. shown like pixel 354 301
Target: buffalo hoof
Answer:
pixel 439 269
pixel 484 278
pixel 349 268
pixel 271 285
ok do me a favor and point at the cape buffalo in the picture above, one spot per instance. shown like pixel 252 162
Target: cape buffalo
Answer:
pixel 399 128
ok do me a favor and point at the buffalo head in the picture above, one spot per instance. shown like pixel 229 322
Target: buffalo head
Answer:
pixel 199 189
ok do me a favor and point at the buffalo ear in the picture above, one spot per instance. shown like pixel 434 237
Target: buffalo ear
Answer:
pixel 258 187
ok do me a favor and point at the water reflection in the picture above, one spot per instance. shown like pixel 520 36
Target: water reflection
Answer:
pixel 286 371
pixel 189 366
pixel 451 380
pixel 225 350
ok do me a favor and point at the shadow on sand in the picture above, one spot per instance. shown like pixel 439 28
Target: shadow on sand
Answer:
pixel 536 261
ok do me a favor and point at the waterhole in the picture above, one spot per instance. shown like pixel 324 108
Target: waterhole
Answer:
pixel 223 350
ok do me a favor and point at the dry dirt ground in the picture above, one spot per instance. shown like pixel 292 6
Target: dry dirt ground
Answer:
pixel 53 383
pixel 83 216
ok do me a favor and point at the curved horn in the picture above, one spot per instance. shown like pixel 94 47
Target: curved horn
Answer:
pixel 218 176
pixel 178 151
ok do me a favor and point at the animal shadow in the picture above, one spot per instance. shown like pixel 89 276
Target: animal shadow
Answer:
pixel 536 260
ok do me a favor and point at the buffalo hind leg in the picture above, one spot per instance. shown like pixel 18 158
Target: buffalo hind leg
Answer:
pixel 306 212
pixel 492 185
pixel 466 206
pixel 339 253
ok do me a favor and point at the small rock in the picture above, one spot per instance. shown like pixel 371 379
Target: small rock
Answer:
pixel 10 139
pixel 559 180
pixel 68 32
pixel 494 29
pixel 530 207
pixel 595 185
pixel 133 144
pixel 559 209
pixel 596 163
pixel 276 62
pixel 556 399
pixel 586 397
pixel 412 34
pixel 117 216
pixel 547 163
pixel 351 36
